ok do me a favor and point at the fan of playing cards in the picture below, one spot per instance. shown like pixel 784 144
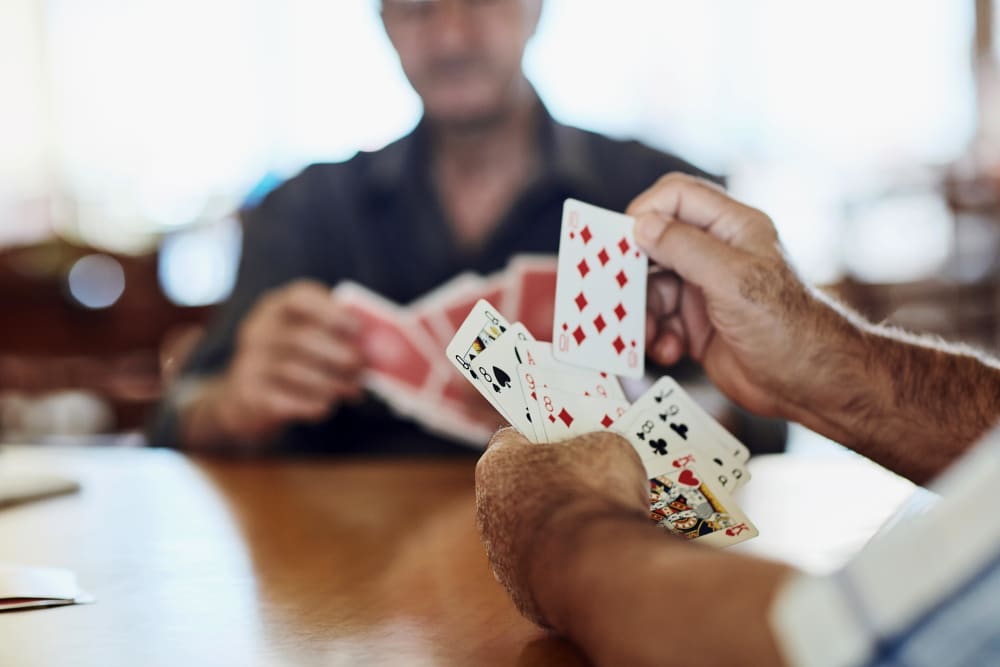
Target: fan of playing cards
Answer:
pixel 554 391
pixel 400 343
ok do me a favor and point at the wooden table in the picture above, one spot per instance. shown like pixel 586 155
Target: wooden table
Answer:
pixel 322 562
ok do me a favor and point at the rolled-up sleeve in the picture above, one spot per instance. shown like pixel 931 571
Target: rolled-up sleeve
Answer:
pixel 925 593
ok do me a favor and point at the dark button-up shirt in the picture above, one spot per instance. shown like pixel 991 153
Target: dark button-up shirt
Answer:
pixel 377 220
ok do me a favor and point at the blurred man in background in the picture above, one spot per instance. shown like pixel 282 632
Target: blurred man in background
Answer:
pixel 482 177
pixel 566 525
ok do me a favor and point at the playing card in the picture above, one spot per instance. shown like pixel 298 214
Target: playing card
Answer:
pixel 736 449
pixel 526 381
pixel 498 370
pixel 448 418
pixel 445 307
pixel 532 292
pixel 539 369
pixel 665 421
pixel 600 310
pixel 564 415
pixel 425 320
pixel 571 379
pixel 687 502
pixel 398 361
pixel 24 587
pixel 730 446
pixel 482 327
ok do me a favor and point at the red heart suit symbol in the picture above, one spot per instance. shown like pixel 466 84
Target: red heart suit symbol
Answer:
pixel 688 478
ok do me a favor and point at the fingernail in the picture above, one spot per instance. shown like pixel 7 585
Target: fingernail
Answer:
pixel 649 228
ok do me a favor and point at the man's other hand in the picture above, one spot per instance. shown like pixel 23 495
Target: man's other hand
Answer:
pixel 529 496
pixel 296 359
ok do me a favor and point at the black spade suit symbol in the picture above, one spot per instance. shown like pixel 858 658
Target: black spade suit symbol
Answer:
pixel 501 379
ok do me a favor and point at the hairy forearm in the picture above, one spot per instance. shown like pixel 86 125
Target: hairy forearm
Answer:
pixel 940 399
pixel 912 404
pixel 629 594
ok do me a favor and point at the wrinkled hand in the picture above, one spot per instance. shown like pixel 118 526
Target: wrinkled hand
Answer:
pixel 296 359
pixel 527 494
pixel 730 300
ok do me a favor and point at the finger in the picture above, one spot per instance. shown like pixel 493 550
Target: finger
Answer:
pixel 620 467
pixel 329 352
pixel 670 341
pixel 700 203
pixel 506 438
pixel 667 349
pixel 692 253
pixel 696 327
pixel 314 302
pixel 289 406
pixel 311 383
pixel 663 293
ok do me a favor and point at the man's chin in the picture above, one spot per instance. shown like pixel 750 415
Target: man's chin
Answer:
pixel 466 114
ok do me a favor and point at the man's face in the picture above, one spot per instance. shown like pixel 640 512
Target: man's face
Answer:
pixel 463 57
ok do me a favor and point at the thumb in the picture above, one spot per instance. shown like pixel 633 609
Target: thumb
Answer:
pixel 694 254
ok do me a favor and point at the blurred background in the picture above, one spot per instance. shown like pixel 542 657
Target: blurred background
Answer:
pixel 131 132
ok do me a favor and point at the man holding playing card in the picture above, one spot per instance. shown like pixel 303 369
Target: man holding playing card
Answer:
pixel 566 525
pixel 481 179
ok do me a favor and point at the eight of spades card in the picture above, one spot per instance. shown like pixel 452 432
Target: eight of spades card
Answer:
pixel 482 327
pixel 496 369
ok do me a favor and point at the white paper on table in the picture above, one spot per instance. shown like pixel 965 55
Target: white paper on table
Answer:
pixel 24 587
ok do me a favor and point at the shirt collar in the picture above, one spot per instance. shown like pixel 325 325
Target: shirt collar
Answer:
pixel 566 158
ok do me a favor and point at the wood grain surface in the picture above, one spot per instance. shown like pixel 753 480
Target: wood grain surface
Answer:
pixel 327 562
pixel 199 562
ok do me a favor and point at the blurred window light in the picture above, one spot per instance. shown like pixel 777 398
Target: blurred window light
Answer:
pixel 901 238
pixel 996 30
pixel 169 111
pixel 212 95
pixel 848 83
pixel 24 117
pixel 197 266
pixel 96 281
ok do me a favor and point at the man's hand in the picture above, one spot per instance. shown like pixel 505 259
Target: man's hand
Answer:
pixel 296 359
pixel 567 532
pixel 779 348
pixel 528 498
pixel 731 301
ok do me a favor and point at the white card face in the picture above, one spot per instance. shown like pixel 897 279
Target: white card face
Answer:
pixel 582 381
pixel 729 442
pixel 687 502
pixel 497 368
pixel 538 353
pixel 529 390
pixel 665 421
pixel 600 310
pixel 726 445
pixel 564 415
pixel 481 329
